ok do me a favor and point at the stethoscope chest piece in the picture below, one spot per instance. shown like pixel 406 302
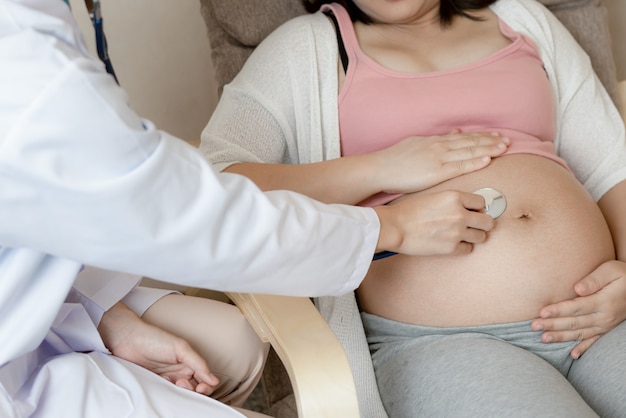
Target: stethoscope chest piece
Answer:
pixel 495 202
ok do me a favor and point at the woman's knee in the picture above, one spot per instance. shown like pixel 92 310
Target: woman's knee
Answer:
pixel 221 335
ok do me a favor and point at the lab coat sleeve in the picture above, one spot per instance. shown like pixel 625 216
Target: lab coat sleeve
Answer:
pixel 82 177
pixel 98 290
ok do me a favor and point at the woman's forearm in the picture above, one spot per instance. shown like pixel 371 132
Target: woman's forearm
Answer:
pixel 346 180
pixel 413 164
pixel 116 324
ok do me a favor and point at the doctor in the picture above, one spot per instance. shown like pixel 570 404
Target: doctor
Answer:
pixel 85 182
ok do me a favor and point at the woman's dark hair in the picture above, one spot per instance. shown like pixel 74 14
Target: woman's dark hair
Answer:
pixel 447 9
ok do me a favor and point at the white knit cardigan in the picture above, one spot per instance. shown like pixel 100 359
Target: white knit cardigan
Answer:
pixel 282 108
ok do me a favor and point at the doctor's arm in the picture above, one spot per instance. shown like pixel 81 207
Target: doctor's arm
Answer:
pixel 89 180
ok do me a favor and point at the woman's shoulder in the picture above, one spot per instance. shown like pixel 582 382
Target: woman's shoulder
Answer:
pixel 294 45
pixel 533 19
pixel 524 12
pixel 295 30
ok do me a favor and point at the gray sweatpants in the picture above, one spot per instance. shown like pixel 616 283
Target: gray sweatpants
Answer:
pixel 501 370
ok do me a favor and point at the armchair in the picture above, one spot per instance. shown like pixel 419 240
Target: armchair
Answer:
pixel 318 381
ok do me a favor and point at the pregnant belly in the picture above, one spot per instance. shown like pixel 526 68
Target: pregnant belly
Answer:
pixel 551 235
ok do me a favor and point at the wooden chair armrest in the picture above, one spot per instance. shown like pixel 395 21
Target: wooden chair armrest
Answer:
pixel 311 353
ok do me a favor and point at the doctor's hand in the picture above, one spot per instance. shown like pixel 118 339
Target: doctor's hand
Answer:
pixel 437 223
pixel 600 307
pixel 127 336
pixel 417 163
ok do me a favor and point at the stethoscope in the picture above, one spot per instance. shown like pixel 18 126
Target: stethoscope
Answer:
pixel 495 204
pixel 93 8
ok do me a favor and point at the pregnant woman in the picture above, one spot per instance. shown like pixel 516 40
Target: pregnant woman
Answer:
pixel 450 335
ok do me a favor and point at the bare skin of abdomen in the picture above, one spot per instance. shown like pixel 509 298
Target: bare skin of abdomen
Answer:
pixel 551 235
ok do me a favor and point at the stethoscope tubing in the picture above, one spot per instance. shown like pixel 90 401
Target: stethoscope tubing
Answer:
pixel 101 40
pixel 102 47
pixel 383 254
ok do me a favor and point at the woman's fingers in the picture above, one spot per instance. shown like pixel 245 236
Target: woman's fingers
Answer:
pixel 472 146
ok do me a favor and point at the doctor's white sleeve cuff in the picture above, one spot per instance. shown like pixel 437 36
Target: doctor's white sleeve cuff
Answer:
pixel 98 290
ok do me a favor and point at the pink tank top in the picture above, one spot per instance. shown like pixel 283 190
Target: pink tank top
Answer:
pixel 508 92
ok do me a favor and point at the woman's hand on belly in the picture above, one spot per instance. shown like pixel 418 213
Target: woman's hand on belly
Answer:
pixel 417 163
pixel 600 307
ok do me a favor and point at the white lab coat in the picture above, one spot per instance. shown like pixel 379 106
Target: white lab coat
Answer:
pixel 85 181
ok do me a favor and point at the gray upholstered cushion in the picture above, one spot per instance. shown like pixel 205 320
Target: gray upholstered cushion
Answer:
pixel 249 22
pixel 235 27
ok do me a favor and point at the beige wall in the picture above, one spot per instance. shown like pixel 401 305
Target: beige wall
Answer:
pixel 162 59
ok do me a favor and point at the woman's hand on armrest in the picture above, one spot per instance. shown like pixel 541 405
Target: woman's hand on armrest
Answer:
pixel 418 163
